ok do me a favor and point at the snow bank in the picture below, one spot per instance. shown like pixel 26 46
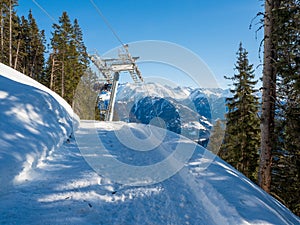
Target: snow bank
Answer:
pixel 33 121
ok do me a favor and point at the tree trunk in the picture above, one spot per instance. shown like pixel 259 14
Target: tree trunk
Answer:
pixel 10 34
pixel 52 73
pixel 2 36
pixel 33 65
pixel 63 79
pixel 17 54
pixel 268 100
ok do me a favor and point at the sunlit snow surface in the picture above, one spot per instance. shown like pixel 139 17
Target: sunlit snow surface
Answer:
pixel 45 180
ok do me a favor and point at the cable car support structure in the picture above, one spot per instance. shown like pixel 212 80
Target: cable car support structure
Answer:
pixel 111 69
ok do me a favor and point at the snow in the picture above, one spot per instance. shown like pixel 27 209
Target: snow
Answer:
pixel 195 125
pixel 105 95
pixel 14 75
pixel 33 122
pixel 134 92
pixel 46 177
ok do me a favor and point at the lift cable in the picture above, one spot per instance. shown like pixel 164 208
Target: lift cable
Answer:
pixel 107 23
pixel 125 47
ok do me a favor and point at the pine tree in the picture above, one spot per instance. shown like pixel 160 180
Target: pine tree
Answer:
pixel 268 97
pixel 21 42
pixel 68 60
pixel 31 47
pixel 23 37
pixel 36 49
pixel 61 52
pixel 286 156
pixel 9 31
pixel 81 59
pixel 242 134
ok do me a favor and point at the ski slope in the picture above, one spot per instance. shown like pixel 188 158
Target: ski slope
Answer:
pixel 46 176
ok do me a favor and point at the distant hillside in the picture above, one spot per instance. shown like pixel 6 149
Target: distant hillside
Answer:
pixel 184 110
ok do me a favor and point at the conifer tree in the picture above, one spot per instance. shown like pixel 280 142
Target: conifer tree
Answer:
pixel 81 60
pixel 68 60
pixel 61 52
pixel 268 96
pixel 36 49
pixel 23 37
pixel 242 134
pixel 9 30
pixel 31 48
pixel 286 156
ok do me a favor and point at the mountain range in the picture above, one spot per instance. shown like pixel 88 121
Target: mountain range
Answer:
pixel 188 111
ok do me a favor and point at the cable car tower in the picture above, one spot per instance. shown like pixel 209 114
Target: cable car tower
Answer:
pixel 111 69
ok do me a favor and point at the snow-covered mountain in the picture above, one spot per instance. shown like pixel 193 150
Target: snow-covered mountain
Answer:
pixel 184 110
pixel 48 177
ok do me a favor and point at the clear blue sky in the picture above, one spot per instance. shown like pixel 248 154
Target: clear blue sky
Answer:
pixel 210 28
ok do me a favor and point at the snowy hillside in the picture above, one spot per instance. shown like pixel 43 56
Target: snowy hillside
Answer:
pixel 34 121
pixel 101 175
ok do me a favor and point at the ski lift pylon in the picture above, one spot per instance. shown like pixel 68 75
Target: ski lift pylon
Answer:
pixel 111 69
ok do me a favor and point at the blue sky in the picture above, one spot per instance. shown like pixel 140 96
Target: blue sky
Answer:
pixel 210 28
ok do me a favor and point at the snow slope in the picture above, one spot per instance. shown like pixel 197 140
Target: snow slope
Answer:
pixel 33 122
pixel 46 180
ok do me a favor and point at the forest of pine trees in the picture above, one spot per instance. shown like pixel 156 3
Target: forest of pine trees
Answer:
pixel 23 47
pixel 262 139
pixel 22 43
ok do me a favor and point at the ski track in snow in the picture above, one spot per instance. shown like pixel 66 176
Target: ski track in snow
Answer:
pixel 64 189
pixel 216 206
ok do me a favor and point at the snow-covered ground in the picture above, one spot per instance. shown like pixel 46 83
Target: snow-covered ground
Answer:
pixel 33 122
pixel 46 177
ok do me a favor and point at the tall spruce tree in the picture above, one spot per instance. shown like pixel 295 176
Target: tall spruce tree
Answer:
pixel 268 96
pixel 31 48
pixel 286 156
pixel 68 59
pixel 23 39
pixel 9 31
pixel 36 49
pixel 242 134
pixel 82 59
pixel 61 52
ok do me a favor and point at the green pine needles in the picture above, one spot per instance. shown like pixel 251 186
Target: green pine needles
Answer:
pixel 242 134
